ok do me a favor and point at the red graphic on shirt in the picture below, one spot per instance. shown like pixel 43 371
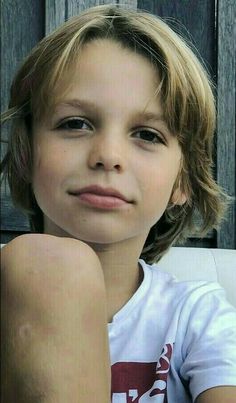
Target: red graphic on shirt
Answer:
pixel 138 382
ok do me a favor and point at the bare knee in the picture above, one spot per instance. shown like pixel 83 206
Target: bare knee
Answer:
pixel 43 246
pixel 37 260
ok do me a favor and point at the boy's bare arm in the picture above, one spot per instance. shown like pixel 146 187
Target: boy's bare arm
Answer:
pixel 220 394
pixel 54 322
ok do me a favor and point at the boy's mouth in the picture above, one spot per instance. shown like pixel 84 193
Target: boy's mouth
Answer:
pixel 100 197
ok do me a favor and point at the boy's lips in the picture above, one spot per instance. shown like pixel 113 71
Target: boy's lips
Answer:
pixel 101 197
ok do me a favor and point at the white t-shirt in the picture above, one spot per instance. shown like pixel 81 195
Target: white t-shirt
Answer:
pixel 172 340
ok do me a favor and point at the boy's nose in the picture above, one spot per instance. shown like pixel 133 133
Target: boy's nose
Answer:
pixel 107 154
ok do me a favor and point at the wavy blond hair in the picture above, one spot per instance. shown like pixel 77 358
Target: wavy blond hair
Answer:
pixel 188 103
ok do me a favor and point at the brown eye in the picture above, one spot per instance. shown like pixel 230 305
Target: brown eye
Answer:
pixel 74 124
pixel 150 136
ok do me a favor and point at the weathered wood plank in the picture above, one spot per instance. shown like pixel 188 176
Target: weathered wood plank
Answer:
pixel 75 7
pixel 195 20
pixel 226 142
pixel 21 29
pixel 133 4
pixel 11 218
pixel 55 14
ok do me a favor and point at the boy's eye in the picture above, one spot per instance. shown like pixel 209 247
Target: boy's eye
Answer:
pixel 150 136
pixel 147 136
pixel 74 124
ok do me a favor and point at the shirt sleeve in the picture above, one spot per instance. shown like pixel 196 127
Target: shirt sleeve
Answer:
pixel 209 348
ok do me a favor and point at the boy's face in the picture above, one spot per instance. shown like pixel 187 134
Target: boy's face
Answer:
pixel 97 136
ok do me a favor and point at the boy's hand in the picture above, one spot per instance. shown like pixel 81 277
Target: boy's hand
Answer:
pixel 55 342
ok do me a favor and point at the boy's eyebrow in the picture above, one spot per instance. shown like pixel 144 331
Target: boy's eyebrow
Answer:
pixel 91 106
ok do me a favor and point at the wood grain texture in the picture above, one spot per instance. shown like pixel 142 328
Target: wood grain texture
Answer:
pixel 133 4
pixel 21 29
pixel 226 141
pixel 75 7
pixel 194 20
pixel 55 14
pixel 11 218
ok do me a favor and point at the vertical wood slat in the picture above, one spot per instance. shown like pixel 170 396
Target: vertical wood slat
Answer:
pixel 21 29
pixel 75 7
pixel 226 142
pixel 57 11
pixel 133 4
pixel 198 26
pixel 55 14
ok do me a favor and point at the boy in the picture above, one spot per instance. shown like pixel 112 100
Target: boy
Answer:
pixel 110 154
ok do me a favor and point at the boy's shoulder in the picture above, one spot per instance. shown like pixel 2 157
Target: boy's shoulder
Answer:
pixel 179 294
pixel 171 281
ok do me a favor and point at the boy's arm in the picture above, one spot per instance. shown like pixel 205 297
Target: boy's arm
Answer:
pixel 221 394
pixel 54 322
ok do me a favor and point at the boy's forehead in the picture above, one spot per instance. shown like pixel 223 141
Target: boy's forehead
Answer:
pixel 66 90
pixel 83 65
pixel 68 97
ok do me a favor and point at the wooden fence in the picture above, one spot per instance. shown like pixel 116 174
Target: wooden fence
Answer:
pixel 209 24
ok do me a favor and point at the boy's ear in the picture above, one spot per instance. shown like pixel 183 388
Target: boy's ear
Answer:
pixel 178 197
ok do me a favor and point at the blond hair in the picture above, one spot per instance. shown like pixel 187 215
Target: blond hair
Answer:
pixel 188 103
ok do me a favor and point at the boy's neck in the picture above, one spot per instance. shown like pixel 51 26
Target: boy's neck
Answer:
pixel 121 270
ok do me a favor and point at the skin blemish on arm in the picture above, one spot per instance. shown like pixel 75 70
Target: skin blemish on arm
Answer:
pixel 25 331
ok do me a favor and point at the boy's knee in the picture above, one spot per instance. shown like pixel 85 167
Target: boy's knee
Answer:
pixel 82 262
pixel 52 258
